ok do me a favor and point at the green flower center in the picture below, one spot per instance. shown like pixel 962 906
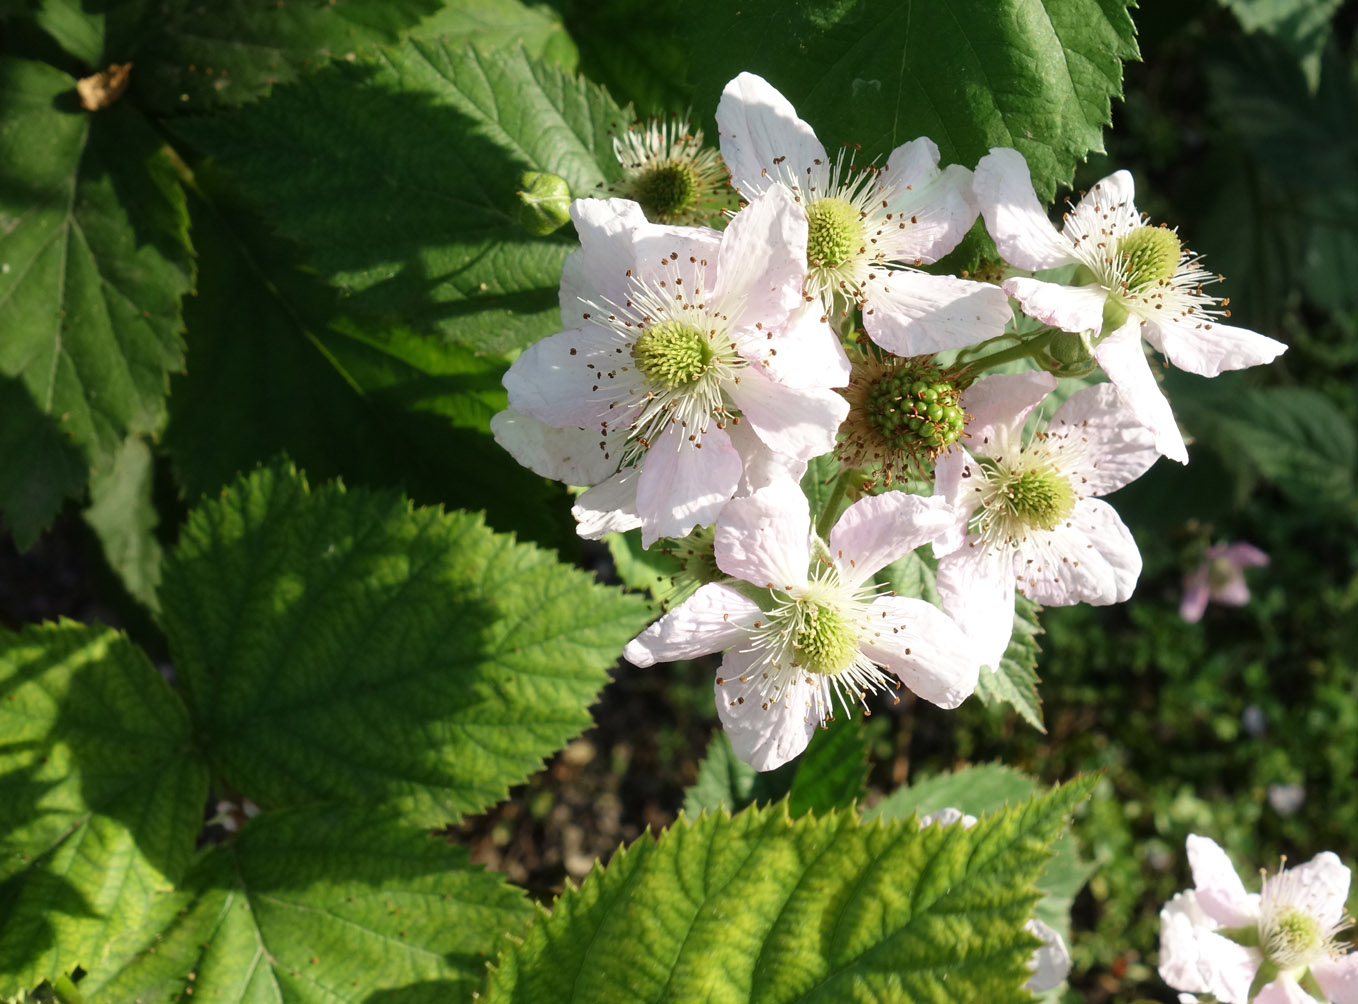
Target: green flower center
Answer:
pixel 825 642
pixel 834 232
pixel 666 190
pixel 1040 499
pixel 915 410
pixel 1150 255
pixel 1293 938
pixel 671 354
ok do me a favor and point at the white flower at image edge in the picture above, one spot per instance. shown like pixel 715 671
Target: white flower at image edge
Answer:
pixel 673 336
pixel 867 226
pixel 821 631
pixel 1219 939
pixel 1027 511
pixel 1132 281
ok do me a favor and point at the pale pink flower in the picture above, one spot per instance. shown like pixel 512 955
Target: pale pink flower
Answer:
pixel 674 335
pixel 1028 515
pixel 866 226
pixel 1220 579
pixel 1240 947
pixel 804 623
pixel 1132 281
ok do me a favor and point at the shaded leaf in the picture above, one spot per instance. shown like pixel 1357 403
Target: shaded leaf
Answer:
pixel 123 516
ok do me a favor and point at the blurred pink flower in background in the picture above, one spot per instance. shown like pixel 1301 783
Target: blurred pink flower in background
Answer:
pixel 1220 579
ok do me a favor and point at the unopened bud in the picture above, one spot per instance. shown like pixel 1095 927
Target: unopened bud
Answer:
pixel 544 203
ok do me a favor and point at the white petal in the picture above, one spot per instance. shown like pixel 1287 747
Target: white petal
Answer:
pixel 1208 348
pixel 763 466
pixel 976 585
pixel 1070 308
pixel 1338 978
pixel 938 205
pixel 1124 360
pixel 1195 958
pixel 565 379
pixel 764 539
pixel 764 738
pixel 924 647
pixel 1220 893
pixel 756 126
pixel 1325 881
pixel 1050 964
pixel 712 619
pixel 803 352
pixel 1017 223
pixel 1109 207
pixel 912 313
pixel 1117 448
pixel 762 262
pixel 999 405
pixel 682 485
pixel 875 531
pixel 609 507
pixel 800 422
pixel 947 816
pixel 685 259
pixel 572 456
pixel 605 227
pixel 951 486
pixel 1091 558
pixel 1283 990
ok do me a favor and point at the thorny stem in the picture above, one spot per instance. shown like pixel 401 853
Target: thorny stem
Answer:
pixel 1026 349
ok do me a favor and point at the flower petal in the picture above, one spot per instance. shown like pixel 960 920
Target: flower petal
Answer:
pixel 608 507
pixel 1109 208
pixel 1244 555
pixel 1013 216
pixel 1220 893
pixel 1320 887
pixel 1091 558
pixel 764 539
pixel 800 422
pixel 682 484
pixel 764 737
pixel 677 262
pixel 1196 594
pixel 951 486
pixel 875 531
pixel 998 405
pixel 1338 978
pixel 938 205
pixel 763 466
pixel 912 313
pixel 1124 360
pixel 570 378
pixel 569 455
pixel 1050 964
pixel 1070 308
pixel 976 585
pixel 1195 958
pixel 1117 449
pixel 924 647
pixel 1208 348
pixel 711 620
pixel 803 352
pixel 605 227
pixel 756 127
pixel 762 261
pixel 1283 990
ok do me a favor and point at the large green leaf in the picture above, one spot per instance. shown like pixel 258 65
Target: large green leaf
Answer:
pixel 759 908
pixel 315 906
pixel 101 796
pixel 94 257
pixel 342 645
pixel 1303 26
pixel 397 175
pixel 1038 75
pixel 266 373
pixel 122 514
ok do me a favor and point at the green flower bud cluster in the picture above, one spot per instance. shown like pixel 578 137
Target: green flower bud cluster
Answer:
pixel 915 410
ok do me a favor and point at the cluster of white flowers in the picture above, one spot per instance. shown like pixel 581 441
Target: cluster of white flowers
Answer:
pixel 699 371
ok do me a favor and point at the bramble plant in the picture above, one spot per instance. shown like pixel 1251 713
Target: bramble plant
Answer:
pixel 354 333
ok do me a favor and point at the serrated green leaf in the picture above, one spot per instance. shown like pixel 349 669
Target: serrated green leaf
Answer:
pixel 342 645
pixel 101 796
pixel 504 24
pixel 1301 25
pixel 43 466
pixel 724 781
pixel 1014 682
pixel 649 569
pixel 428 237
pixel 266 372
pixel 915 574
pixel 758 908
pixel 123 516
pixel 818 484
pixel 970 74
pixel 94 257
pixel 314 906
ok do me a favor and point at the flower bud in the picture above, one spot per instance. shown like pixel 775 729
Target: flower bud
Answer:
pixel 544 203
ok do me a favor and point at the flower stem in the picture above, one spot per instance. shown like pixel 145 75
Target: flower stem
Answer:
pixel 843 491
pixel 1026 349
